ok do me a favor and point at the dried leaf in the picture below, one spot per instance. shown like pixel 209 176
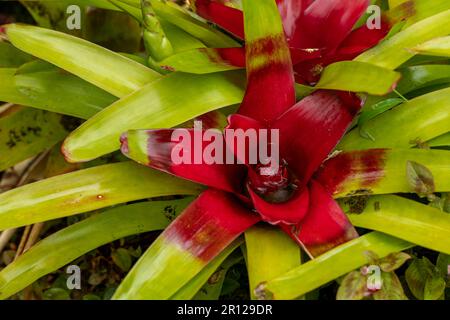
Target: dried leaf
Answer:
pixel 393 261
pixel 420 178
pixel 392 288
pixel 353 287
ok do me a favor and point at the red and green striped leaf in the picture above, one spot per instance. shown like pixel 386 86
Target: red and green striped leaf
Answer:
pixel 176 152
pixel 325 225
pixel 310 130
pixel 381 171
pixel 195 238
pixel 270 88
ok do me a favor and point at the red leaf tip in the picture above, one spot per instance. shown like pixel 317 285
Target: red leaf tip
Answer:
pixel 124 143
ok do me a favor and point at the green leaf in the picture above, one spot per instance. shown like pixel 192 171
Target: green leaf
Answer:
pixel 393 261
pixel 56 294
pixel 415 10
pixel 211 277
pixel 180 17
pixel 443 265
pixel 263 243
pixel 108 70
pixel 75 97
pixel 86 190
pixel 376 109
pixel 10 57
pixel 441 141
pixel 155 39
pixel 198 61
pixel 434 288
pixel 66 245
pixel 114 30
pixel 103 4
pixel 436 47
pixel 391 289
pixel 330 266
pixel 50 14
pixel 406 219
pixel 180 39
pixel 37 89
pixel 165 103
pixel 25 132
pixel 358 77
pixel 420 178
pixel 393 52
pixel 382 172
pixel 353 287
pixel 220 283
pixel 122 259
pixel 416 276
pixel 417 77
pixel 417 120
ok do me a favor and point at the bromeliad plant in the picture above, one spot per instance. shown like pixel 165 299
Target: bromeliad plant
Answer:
pixel 343 134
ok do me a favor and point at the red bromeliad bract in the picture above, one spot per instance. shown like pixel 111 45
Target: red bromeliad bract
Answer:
pixel 290 196
pixel 318 32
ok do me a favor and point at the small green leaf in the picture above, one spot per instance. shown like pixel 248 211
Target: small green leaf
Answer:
pixel 420 178
pixel 122 259
pixel 393 261
pixel 391 289
pixel 11 57
pixel 56 294
pixel 434 288
pixel 420 76
pixel 358 76
pixel 443 264
pixel 441 141
pixel 372 257
pixel 417 274
pixel 435 47
pixel 97 278
pixel 353 287
pixel 183 19
pixel 377 109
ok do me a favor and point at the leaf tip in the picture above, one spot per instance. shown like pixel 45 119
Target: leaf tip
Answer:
pixel 261 292
pixel 124 143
